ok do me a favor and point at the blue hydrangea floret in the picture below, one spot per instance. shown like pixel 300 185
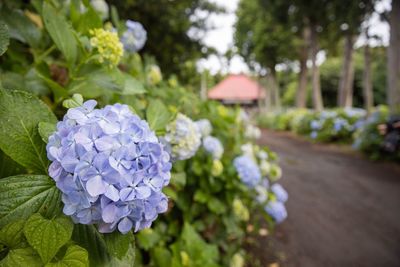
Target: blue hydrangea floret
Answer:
pixel 213 146
pixel 248 171
pixel 134 37
pixel 276 210
pixel 279 192
pixel 110 168
pixel 340 124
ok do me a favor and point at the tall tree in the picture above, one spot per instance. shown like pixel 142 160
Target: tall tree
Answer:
pixel 301 94
pixel 315 79
pixel 345 90
pixel 367 75
pixel 317 14
pixel 349 18
pixel 393 89
pixel 264 38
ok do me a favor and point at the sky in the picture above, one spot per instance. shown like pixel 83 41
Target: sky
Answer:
pixel 221 38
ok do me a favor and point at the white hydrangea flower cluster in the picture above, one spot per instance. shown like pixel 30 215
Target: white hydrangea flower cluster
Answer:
pixel 247 149
pixel 183 136
pixel 101 7
pixel 205 127
pixel 252 132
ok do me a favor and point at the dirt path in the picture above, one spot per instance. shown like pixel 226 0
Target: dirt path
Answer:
pixel 344 210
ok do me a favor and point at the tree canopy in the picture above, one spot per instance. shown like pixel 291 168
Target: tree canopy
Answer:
pixel 174 29
pixel 263 34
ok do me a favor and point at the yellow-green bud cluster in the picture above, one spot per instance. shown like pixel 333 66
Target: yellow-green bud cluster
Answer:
pixel 107 45
pixel 154 75
pixel 237 260
pixel 240 211
pixel 275 172
pixel 217 168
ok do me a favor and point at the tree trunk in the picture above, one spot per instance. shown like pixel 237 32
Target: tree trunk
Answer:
pixel 316 85
pixel 345 90
pixel 367 78
pixel 301 97
pixel 274 88
pixel 267 94
pixel 259 87
pixel 393 90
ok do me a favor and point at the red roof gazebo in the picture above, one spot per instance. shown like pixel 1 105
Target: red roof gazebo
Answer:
pixel 237 89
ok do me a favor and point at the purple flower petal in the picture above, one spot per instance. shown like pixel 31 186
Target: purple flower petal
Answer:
pixel 104 143
pixel 69 163
pixel 112 193
pixel 127 194
pixel 95 186
pixel 143 192
pixel 55 170
pixel 109 213
pixel 125 225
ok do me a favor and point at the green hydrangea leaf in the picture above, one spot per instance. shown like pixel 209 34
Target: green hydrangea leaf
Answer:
pixel 130 85
pixel 12 235
pixel 20 26
pixel 75 256
pixel 20 114
pixel 89 238
pixel 23 195
pixel 45 130
pixel 21 257
pixel 60 31
pixel 201 196
pixel 102 248
pixel 162 257
pixel 75 101
pixel 118 244
pixel 178 179
pixel 216 206
pixel 192 250
pixel 48 236
pixel 89 20
pixel 148 238
pixel 9 167
pixel 157 115
pixel 127 261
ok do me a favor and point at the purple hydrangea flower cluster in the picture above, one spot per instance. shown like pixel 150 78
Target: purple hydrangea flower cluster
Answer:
pixel 359 124
pixel 316 125
pixel 314 135
pixel 277 211
pixel 134 37
pixel 248 170
pixel 355 112
pixel 279 192
pixel 213 146
pixel 340 124
pixel 276 208
pixel 110 168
